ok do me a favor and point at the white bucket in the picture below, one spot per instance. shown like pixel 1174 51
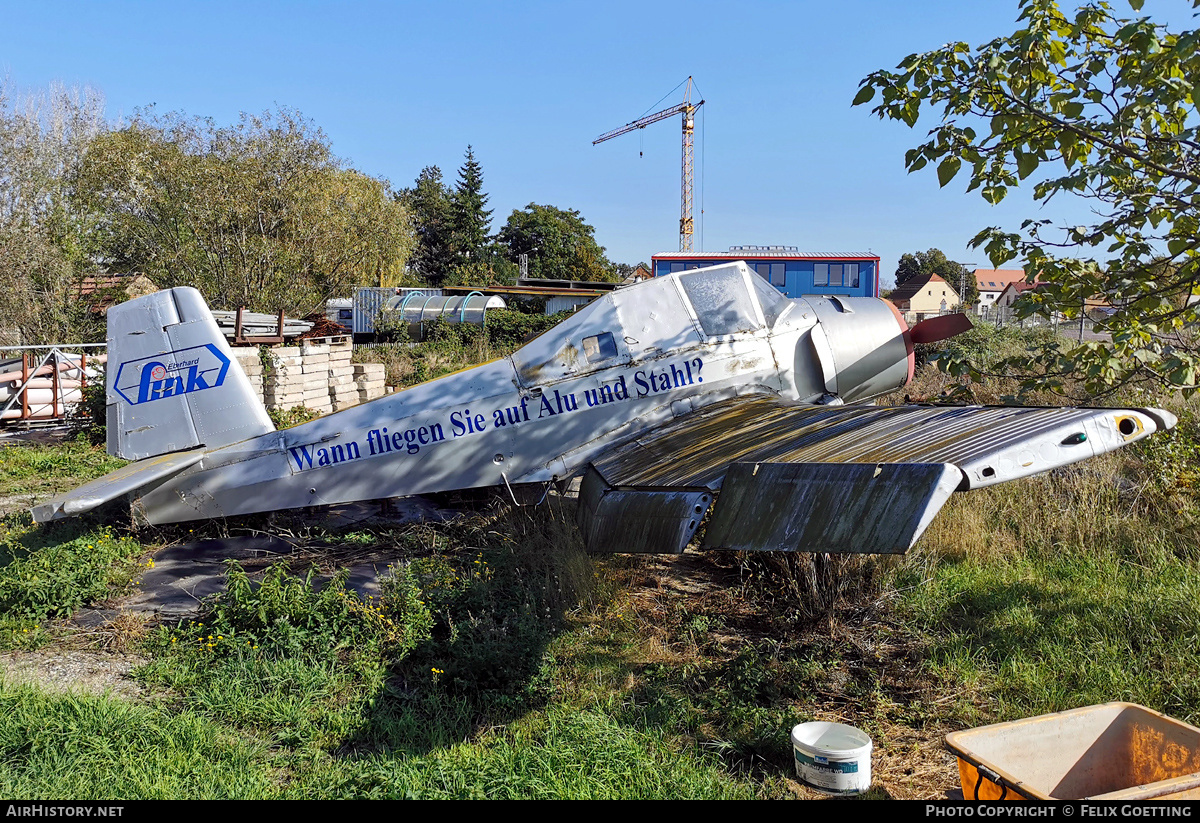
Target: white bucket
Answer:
pixel 832 757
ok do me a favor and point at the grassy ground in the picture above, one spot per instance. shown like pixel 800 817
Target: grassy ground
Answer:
pixel 502 661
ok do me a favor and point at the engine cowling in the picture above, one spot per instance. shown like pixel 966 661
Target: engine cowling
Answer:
pixel 868 344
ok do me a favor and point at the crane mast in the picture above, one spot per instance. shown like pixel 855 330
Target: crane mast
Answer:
pixel 688 110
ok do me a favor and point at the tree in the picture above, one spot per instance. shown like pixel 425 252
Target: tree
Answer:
pixel 1091 105
pixel 559 244
pixel 259 214
pixel 470 222
pixel 934 261
pixel 429 202
pixel 43 140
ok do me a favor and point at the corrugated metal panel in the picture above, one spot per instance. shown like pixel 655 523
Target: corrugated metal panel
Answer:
pixel 697 449
pixel 369 300
pixel 556 304
pixel 828 507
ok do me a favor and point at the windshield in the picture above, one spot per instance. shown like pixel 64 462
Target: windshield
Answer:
pixel 773 303
pixel 721 301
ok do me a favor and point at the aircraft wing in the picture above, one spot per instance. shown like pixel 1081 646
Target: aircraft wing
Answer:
pixel 787 476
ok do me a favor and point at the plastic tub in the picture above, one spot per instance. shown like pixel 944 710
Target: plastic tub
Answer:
pixel 832 757
pixel 1114 751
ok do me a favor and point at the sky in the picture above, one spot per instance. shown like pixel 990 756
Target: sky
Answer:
pixel 781 157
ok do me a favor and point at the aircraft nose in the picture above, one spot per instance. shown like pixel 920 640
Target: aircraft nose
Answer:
pixel 871 351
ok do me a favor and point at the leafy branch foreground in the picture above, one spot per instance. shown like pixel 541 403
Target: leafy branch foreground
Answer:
pixel 1081 104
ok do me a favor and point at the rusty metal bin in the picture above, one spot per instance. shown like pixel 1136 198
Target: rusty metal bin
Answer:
pixel 1115 751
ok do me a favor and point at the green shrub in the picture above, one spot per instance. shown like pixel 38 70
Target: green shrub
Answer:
pixel 87 419
pixel 54 572
pixel 296 415
pixel 288 616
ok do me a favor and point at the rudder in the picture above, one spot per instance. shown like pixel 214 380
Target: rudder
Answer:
pixel 173 382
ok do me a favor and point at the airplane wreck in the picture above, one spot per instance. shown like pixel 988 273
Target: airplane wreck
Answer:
pixel 694 393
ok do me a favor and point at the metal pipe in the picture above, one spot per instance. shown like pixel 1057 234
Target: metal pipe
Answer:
pixel 462 314
pixel 55 386
pixel 56 346
pixel 24 382
pixel 26 376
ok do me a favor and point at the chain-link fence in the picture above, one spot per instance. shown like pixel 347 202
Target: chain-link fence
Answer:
pixel 1078 328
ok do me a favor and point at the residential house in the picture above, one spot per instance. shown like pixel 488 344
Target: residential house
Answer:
pixel 102 291
pixel 1093 306
pixel 1009 294
pixel 924 296
pixel 992 283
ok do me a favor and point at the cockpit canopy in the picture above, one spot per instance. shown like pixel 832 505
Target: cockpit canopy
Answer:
pixel 669 313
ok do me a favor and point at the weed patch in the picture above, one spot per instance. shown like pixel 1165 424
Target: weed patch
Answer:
pixel 53 571
pixel 288 655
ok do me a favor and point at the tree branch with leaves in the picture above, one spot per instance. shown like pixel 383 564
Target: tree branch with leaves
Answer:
pixel 1087 104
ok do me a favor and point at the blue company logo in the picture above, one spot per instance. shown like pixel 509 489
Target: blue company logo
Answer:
pixel 171 374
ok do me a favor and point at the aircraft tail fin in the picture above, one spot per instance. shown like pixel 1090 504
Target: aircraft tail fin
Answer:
pixel 173 382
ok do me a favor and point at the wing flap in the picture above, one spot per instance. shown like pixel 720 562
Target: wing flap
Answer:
pixel 638 520
pixel 828 507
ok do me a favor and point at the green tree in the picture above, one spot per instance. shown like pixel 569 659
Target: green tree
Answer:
pixel 934 261
pixel 559 244
pixel 429 202
pixel 1088 104
pixel 259 214
pixel 470 222
pixel 44 137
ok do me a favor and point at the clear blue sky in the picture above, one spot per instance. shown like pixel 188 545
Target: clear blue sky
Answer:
pixel 781 157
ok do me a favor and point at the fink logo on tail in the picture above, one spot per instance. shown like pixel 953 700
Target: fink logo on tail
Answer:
pixel 171 374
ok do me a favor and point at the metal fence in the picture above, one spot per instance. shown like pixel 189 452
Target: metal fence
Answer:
pixel 1079 328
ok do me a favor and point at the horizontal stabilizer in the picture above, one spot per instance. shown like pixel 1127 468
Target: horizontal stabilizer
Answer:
pixel 125 480
pixel 877 508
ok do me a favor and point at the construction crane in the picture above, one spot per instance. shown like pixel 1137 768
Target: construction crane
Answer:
pixel 689 127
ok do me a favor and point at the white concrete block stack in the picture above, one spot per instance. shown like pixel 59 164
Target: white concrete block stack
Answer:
pixel 369 380
pixel 250 361
pixel 342 392
pixel 316 374
pixel 283 387
pixel 314 367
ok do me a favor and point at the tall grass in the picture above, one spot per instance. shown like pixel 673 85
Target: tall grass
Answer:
pixel 563 752
pixel 1071 588
pixel 80 746
pixel 1061 591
